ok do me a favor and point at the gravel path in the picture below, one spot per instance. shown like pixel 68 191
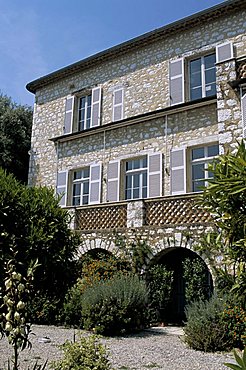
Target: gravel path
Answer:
pixel 151 349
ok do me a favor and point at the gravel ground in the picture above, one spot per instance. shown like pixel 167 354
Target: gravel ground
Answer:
pixel 160 348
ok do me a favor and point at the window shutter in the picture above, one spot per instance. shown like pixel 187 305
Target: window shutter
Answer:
pixel 68 122
pixel 113 181
pixel 243 105
pixel 176 81
pixel 154 175
pixel 61 186
pixel 95 183
pixel 178 171
pixel 96 106
pixel 118 104
pixel 224 52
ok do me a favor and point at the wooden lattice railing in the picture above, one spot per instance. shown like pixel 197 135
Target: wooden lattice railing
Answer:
pixel 101 217
pixel 174 211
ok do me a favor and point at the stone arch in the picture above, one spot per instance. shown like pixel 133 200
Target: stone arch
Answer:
pixel 172 258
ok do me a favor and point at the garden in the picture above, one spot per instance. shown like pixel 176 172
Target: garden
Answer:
pixel 44 282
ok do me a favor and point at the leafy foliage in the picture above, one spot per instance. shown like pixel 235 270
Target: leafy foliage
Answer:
pixel 85 354
pixel 234 317
pixel 41 231
pixel 159 282
pixel 15 137
pixel 115 306
pixel 241 361
pixel 225 199
pixel 204 329
pixel 196 284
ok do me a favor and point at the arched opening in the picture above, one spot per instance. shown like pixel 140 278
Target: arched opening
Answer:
pixel 190 279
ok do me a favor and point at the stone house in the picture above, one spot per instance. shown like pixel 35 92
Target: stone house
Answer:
pixel 124 136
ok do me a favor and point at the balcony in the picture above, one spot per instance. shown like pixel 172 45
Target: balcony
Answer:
pixel 158 212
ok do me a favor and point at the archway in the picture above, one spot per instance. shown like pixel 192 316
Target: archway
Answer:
pixel 173 260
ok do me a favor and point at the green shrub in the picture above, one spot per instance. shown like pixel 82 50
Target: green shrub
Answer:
pixel 73 305
pixel 115 306
pixel 159 282
pixel 85 354
pixel 205 330
pixel 234 318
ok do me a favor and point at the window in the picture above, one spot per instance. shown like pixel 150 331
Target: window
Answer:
pixel 80 186
pixel 136 178
pixel 82 112
pixel 202 77
pixel 200 157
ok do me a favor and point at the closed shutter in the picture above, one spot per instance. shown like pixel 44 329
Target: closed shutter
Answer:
pixel 61 186
pixel 68 122
pixel 154 175
pixel 243 104
pixel 96 106
pixel 118 104
pixel 176 81
pixel 224 52
pixel 113 181
pixel 95 183
pixel 178 171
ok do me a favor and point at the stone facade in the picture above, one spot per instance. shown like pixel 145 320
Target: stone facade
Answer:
pixel 150 123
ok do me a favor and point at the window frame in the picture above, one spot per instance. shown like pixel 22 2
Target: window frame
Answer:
pixel 81 182
pixel 78 109
pixel 202 73
pixel 141 171
pixel 205 160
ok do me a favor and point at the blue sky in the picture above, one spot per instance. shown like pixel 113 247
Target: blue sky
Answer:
pixel 40 36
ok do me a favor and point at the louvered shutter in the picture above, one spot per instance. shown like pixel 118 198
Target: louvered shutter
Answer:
pixel 176 81
pixel 61 186
pixel 113 181
pixel 96 106
pixel 118 104
pixel 68 122
pixel 154 175
pixel 95 183
pixel 224 52
pixel 243 105
pixel 178 171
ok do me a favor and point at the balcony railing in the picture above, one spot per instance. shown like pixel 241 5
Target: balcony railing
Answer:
pixel 166 211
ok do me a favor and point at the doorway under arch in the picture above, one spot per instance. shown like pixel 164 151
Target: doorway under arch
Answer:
pixel 173 259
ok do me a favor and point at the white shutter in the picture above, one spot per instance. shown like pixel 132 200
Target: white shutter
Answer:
pixel 61 186
pixel 243 105
pixel 154 175
pixel 178 171
pixel 118 104
pixel 95 183
pixel 68 122
pixel 113 181
pixel 224 52
pixel 176 81
pixel 96 106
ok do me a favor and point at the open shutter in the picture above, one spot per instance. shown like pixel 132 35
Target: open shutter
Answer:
pixel 176 81
pixel 154 175
pixel 113 181
pixel 61 186
pixel 178 171
pixel 68 122
pixel 96 106
pixel 224 52
pixel 118 102
pixel 243 105
pixel 95 183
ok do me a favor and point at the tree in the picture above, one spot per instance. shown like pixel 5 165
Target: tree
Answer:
pixel 15 137
pixel 40 228
pixel 225 200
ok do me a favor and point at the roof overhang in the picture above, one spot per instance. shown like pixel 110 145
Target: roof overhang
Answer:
pixel 214 12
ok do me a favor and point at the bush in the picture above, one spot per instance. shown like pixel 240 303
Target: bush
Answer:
pixel 115 306
pixel 86 354
pixel 234 318
pixel 205 330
